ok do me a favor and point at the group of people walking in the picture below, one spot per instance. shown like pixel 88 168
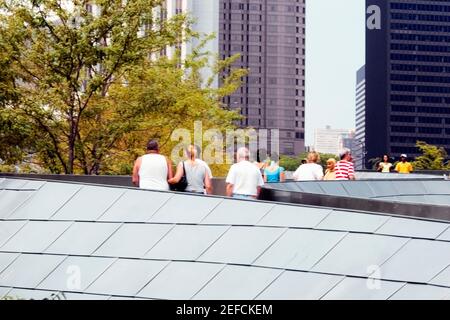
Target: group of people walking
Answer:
pixel 154 171
pixel 245 178
pixel 336 170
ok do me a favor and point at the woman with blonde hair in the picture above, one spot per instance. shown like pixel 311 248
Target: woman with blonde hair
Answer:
pixel 330 173
pixel 310 171
pixel 196 172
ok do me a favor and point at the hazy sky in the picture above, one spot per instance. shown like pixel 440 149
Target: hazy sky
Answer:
pixel 335 50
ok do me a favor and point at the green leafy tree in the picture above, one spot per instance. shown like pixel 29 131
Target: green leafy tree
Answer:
pixel 91 84
pixel 292 163
pixel 432 158
pixel 15 137
pixel 166 98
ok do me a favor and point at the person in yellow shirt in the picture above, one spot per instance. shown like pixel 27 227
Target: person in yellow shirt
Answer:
pixel 404 166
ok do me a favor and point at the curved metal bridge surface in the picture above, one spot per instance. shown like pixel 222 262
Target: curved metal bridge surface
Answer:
pixel 132 244
pixel 426 198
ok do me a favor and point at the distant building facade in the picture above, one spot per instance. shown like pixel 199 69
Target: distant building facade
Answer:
pixel 348 141
pixel 407 77
pixel 270 36
pixel 332 141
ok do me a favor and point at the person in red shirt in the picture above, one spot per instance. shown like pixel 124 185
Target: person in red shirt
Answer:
pixel 345 170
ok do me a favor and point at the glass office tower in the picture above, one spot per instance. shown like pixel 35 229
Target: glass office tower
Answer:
pixel 408 77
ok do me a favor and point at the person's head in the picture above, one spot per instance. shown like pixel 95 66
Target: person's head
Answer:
pixel 331 164
pixel 313 157
pixel 153 146
pixel 273 164
pixel 403 158
pixel 261 155
pixel 304 161
pixel 345 154
pixel 274 156
pixel 386 158
pixel 243 154
pixel 191 152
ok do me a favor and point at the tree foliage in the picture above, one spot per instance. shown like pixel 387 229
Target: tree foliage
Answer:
pixel 432 158
pixel 90 86
pixel 15 137
pixel 292 163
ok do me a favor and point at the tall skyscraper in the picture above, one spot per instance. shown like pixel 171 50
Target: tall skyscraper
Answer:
pixel 360 134
pixel 206 22
pixel 270 36
pixel 407 77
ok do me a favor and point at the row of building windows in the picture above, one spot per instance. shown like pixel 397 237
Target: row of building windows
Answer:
pixel 428 89
pixel 270 49
pixel 406 119
pixel 258 59
pixel 420 27
pixel 413 109
pixel 420 68
pixel 259 7
pixel 413 140
pixel 415 78
pixel 420 99
pixel 270 28
pixel 407 150
pixel 424 120
pixel 274 113
pixel 423 130
pixel 400 98
pixel 400 108
pixel 421 7
pixel 417 47
pixel 420 17
pixel 403 129
pixel 420 37
pixel 239 17
pixel 258 101
pixel 420 58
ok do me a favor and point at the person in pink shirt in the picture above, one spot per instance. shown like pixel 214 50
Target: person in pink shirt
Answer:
pixel 345 170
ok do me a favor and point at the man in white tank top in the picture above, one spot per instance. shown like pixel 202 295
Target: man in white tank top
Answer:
pixel 151 171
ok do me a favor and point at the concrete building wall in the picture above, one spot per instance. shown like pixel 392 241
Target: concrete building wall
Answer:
pixel 206 16
pixel 270 36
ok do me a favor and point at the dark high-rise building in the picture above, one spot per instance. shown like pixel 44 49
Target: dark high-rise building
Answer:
pixel 407 77
pixel 270 35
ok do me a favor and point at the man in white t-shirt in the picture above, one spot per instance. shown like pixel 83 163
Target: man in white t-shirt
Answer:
pixel 244 180
pixel 310 171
